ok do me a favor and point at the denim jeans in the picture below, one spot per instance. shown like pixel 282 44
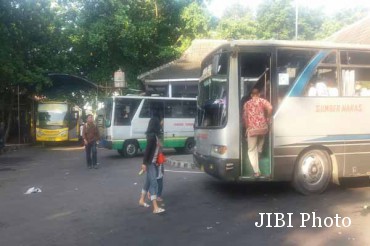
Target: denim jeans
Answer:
pixel 91 154
pixel 151 183
pixel 160 172
pixel 160 187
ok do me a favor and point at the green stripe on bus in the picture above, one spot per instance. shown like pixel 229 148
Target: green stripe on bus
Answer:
pixel 178 142
pixel 174 142
pixel 117 144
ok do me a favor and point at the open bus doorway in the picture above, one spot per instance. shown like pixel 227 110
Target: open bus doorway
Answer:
pixel 255 72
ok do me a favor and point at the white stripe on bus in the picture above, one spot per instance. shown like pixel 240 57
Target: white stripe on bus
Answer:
pixel 338 145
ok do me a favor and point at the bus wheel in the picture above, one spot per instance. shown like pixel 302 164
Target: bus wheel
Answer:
pixel 130 149
pixel 312 172
pixel 188 148
pixel 189 145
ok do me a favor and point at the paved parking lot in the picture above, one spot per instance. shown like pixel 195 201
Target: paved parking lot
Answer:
pixel 78 206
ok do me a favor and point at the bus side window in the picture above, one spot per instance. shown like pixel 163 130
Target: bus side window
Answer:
pixel 152 107
pixel 173 109
pixel 189 109
pixel 355 73
pixel 324 80
pixel 145 110
pixel 125 110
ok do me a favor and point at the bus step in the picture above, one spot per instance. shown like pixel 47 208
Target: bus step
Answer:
pixel 252 178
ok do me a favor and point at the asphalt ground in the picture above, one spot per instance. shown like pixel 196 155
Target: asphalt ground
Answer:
pixel 80 206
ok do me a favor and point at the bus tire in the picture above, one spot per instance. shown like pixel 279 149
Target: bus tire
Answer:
pixel 312 172
pixel 189 146
pixel 130 148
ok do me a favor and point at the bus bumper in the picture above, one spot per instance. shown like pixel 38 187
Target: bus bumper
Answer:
pixel 225 169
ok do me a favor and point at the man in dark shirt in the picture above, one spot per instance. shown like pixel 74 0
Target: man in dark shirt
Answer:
pixel 90 134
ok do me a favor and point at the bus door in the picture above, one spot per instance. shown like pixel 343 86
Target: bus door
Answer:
pixel 254 73
pixel 73 126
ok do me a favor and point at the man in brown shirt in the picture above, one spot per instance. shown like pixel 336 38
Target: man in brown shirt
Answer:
pixel 90 134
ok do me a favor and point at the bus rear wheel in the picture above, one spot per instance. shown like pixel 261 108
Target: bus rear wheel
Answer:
pixel 130 149
pixel 188 148
pixel 312 172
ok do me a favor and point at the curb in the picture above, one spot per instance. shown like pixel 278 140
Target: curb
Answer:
pixel 180 164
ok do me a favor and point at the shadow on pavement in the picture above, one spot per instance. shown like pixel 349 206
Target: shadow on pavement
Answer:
pixel 237 190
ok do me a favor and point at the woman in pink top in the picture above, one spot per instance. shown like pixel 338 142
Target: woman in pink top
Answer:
pixel 256 116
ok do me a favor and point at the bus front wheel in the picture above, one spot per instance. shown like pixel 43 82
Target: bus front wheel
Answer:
pixel 130 149
pixel 312 172
pixel 188 148
pixel 189 145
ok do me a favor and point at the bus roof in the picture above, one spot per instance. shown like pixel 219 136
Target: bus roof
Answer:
pixel 303 44
pixel 156 97
pixel 231 45
pixel 52 102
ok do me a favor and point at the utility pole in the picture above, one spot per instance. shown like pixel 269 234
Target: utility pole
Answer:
pixel 296 20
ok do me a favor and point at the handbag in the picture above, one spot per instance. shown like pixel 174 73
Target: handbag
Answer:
pixel 161 159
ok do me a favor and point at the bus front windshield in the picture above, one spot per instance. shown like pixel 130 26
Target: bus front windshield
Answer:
pixel 52 116
pixel 212 102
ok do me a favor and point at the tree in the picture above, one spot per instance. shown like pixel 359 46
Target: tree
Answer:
pixel 310 22
pixel 195 23
pixel 339 20
pixel 237 23
pixel 134 35
pixel 31 45
pixel 276 20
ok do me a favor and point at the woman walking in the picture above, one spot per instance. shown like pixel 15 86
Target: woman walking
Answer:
pixel 150 165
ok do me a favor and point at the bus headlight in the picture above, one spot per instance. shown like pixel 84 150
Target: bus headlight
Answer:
pixel 63 133
pixel 219 149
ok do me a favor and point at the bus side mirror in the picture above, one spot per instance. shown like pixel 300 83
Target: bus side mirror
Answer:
pixel 107 123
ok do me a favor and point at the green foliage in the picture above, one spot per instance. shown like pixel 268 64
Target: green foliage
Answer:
pixel 93 38
pixel 310 23
pixel 135 35
pixel 276 20
pixel 195 23
pixel 31 42
pixel 341 19
pixel 237 23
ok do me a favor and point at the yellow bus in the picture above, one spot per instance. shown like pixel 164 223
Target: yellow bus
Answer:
pixel 57 122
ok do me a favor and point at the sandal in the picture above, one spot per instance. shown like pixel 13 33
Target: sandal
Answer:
pixel 158 211
pixel 145 205
pixel 257 175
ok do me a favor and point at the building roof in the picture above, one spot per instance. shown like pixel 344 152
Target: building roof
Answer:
pixel 357 33
pixel 187 67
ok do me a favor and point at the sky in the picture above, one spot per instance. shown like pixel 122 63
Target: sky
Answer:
pixel 330 6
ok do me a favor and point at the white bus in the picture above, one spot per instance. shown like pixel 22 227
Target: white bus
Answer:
pixel 127 119
pixel 320 93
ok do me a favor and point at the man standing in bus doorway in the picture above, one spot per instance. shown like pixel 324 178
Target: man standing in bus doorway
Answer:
pixel 90 134
pixel 256 116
